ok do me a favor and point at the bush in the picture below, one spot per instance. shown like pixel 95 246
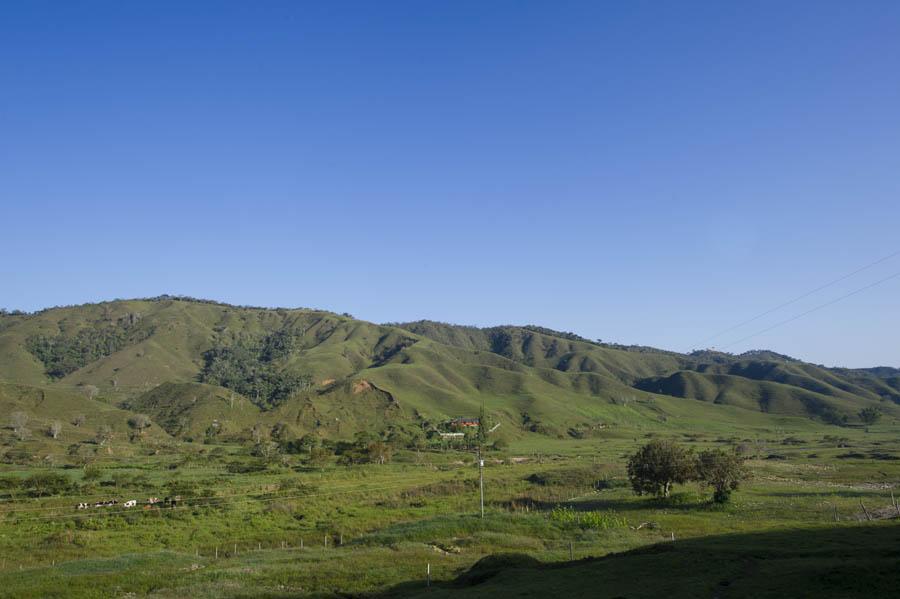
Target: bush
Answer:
pixel 92 472
pixel 248 467
pixel 593 520
pixel 584 478
pixel 46 483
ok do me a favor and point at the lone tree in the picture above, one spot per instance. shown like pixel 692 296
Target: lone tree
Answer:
pixel 78 419
pixel 18 422
pixel 55 428
pixel 721 470
pixel 657 466
pixel 260 432
pixel 104 434
pixel 90 391
pixel 869 416
pixel 380 452
pixel 139 422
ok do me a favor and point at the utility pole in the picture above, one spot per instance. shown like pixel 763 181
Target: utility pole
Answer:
pixel 481 437
pixel 481 477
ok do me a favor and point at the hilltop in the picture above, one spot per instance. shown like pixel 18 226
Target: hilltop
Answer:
pixel 194 364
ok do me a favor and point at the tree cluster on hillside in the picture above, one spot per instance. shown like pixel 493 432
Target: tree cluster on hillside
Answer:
pixel 138 423
pixel 366 448
pixel 658 465
pixel 869 416
pixel 252 368
pixel 64 354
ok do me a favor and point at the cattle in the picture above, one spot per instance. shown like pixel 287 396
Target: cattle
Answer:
pixel 153 500
pixel 83 506
pixel 130 503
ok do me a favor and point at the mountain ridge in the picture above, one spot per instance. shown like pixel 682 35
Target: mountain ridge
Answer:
pixel 182 360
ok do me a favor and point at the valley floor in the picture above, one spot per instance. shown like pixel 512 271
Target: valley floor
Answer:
pixel 559 519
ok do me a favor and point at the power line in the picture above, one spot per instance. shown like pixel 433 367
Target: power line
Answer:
pixel 798 298
pixel 817 308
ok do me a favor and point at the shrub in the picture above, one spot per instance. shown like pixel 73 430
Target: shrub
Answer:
pixel 248 467
pixel 567 477
pixel 593 520
pixel 92 472
pixel 46 483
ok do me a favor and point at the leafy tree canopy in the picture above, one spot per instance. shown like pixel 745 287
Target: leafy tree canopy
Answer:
pixel 657 466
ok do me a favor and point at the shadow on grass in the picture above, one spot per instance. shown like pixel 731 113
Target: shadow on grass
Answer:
pixel 845 562
pixel 679 502
pixel 873 494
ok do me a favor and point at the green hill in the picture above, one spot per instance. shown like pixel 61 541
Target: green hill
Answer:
pixel 191 365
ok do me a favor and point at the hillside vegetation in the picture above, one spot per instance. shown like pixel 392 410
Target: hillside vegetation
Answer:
pixel 191 365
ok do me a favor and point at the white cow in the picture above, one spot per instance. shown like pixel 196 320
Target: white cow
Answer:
pixel 130 503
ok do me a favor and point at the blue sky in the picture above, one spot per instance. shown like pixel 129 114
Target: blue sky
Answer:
pixel 639 172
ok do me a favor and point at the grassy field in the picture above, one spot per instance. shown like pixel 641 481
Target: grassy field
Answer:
pixel 559 513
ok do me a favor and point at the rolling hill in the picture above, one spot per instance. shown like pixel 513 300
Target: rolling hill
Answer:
pixel 195 364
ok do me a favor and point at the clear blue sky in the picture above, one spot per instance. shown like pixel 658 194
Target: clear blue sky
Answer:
pixel 639 172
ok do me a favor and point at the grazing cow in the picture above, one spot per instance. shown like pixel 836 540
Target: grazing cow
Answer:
pixel 153 500
pixel 130 503
pixel 83 506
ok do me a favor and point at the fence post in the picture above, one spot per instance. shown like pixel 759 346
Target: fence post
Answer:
pixel 868 517
pixel 217 552
pixel 428 575
pixel 571 552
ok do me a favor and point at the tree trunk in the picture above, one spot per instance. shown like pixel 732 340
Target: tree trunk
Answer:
pixel 667 489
